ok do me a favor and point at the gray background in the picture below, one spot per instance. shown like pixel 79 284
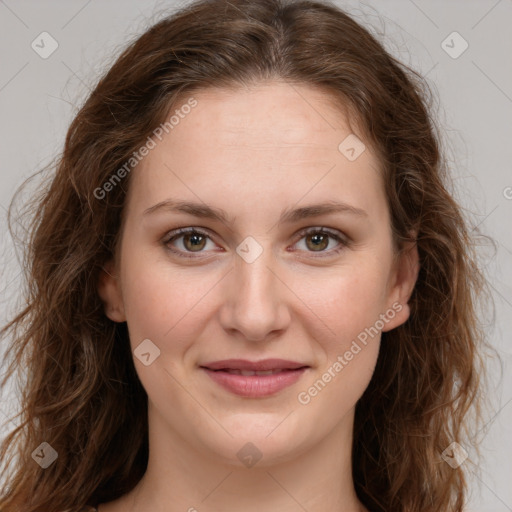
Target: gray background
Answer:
pixel 39 97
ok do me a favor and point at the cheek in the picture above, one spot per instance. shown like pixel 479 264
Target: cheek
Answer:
pixel 163 304
pixel 348 307
pixel 169 308
pixel 345 301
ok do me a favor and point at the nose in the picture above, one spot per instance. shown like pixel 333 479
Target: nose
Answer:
pixel 255 298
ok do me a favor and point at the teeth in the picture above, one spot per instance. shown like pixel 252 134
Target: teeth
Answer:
pixel 249 373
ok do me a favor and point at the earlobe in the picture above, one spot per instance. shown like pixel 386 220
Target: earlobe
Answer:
pixel 408 272
pixel 405 277
pixel 110 292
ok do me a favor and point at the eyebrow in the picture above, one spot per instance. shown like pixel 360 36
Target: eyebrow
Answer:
pixel 287 217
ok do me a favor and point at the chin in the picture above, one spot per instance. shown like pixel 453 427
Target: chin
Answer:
pixel 261 439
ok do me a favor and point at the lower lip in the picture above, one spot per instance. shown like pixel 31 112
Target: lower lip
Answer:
pixel 255 386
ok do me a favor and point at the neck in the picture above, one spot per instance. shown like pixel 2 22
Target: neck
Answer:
pixel 182 477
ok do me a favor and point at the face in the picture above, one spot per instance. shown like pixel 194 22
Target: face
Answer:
pixel 269 277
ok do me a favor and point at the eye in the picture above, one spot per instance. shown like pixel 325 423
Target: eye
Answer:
pixel 317 240
pixel 194 240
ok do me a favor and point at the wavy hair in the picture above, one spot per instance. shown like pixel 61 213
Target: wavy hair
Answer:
pixel 80 392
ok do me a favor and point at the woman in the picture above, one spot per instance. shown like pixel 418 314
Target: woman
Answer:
pixel 249 286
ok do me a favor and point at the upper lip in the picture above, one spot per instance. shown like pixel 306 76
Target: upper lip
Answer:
pixel 243 364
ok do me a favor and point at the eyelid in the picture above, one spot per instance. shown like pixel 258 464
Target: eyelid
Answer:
pixel 335 233
pixel 183 231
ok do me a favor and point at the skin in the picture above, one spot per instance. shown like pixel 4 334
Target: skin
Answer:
pixel 254 152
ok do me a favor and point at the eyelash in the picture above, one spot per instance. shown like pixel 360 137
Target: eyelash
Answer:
pixel 177 233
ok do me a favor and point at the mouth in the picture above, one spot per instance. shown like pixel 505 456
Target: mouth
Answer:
pixel 254 379
pixel 250 373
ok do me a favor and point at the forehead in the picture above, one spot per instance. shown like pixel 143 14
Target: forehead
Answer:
pixel 271 114
pixel 269 140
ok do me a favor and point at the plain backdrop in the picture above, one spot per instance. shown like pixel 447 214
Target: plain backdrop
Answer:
pixel 39 97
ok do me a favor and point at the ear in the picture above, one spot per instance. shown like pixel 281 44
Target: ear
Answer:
pixel 110 292
pixel 402 281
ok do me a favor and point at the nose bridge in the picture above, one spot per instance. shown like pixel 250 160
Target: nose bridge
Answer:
pixel 256 303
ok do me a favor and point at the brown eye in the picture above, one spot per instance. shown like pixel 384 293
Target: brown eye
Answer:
pixel 194 242
pixel 317 241
pixel 186 241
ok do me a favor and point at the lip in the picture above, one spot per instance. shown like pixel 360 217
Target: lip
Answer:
pixel 285 373
pixel 244 364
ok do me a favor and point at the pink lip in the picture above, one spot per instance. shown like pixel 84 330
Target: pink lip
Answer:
pixel 244 364
pixel 255 386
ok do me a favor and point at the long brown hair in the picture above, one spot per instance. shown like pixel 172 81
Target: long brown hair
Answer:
pixel 80 392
